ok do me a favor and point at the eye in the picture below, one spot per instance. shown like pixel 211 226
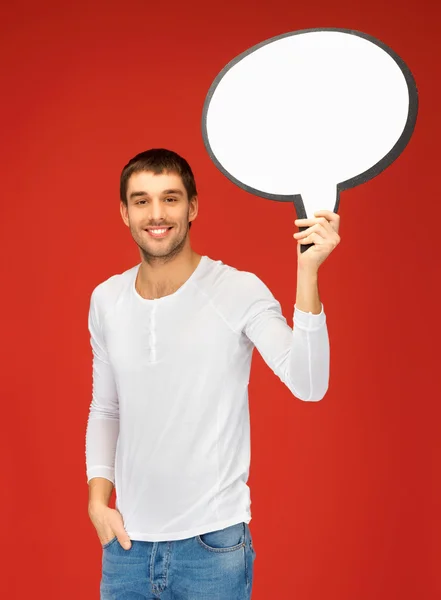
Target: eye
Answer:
pixel 172 199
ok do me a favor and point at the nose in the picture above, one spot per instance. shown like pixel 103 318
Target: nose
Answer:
pixel 157 211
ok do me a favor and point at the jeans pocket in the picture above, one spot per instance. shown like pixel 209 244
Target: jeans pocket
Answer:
pixel 107 544
pixel 223 540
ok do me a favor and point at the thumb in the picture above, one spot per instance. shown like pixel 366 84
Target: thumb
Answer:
pixel 120 532
pixel 123 539
pixel 125 542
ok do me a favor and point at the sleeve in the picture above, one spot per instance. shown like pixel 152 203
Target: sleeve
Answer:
pixel 300 357
pixel 103 421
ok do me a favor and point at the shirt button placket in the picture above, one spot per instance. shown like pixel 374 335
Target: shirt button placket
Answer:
pixel 152 344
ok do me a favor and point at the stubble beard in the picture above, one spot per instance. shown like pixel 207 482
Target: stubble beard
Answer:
pixel 166 255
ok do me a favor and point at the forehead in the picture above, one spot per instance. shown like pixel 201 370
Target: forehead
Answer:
pixel 151 183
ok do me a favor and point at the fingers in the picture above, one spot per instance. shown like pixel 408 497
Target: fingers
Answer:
pixel 326 224
pixel 313 238
pixel 121 533
pixel 321 223
pixel 329 219
pixel 121 536
pixel 316 228
pixel 108 537
pixel 113 526
pixel 124 540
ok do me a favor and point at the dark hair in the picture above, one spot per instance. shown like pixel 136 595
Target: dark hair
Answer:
pixel 158 160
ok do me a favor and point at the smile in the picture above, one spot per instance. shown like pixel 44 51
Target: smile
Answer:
pixel 158 233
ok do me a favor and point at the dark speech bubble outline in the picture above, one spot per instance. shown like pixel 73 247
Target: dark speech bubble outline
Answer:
pixel 370 173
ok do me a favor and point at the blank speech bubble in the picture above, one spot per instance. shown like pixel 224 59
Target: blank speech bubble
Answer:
pixel 301 116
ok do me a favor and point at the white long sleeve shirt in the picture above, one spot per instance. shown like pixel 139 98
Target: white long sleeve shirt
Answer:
pixel 169 418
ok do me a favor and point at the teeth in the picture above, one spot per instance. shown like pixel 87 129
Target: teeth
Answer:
pixel 159 231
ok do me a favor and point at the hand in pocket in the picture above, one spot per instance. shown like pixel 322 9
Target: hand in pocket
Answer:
pixel 108 523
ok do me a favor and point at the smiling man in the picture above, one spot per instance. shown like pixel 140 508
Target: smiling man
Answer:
pixel 172 340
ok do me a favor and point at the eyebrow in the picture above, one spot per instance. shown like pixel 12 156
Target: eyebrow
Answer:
pixel 165 192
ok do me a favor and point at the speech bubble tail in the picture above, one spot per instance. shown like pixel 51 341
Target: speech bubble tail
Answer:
pixel 320 196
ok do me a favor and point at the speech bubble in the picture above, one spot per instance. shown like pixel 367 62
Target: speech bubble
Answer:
pixel 304 115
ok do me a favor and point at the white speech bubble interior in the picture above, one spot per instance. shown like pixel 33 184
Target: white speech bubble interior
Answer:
pixel 304 112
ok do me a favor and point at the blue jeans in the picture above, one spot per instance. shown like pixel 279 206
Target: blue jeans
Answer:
pixel 213 566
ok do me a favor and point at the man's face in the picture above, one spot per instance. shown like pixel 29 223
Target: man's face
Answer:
pixel 158 213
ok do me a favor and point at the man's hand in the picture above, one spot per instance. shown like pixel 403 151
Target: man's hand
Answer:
pixel 108 523
pixel 323 233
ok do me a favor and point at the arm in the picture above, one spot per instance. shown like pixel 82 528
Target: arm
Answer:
pixel 300 357
pixel 100 492
pixel 307 297
pixel 103 422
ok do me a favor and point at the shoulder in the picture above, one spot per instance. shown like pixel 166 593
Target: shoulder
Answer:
pixel 225 280
pixel 236 294
pixel 107 293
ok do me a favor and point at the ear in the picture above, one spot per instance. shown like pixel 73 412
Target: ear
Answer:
pixel 124 213
pixel 193 210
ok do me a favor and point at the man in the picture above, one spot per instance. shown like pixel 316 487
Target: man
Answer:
pixel 172 342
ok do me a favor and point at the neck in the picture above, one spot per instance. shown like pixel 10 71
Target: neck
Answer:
pixel 162 276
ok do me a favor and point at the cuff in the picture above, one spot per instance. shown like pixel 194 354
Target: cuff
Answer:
pixel 307 320
pixel 101 471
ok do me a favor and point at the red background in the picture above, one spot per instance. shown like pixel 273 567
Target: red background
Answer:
pixel 345 492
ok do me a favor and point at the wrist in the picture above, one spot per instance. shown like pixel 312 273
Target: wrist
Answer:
pixel 100 492
pixel 96 506
pixel 310 273
pixel 307 294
